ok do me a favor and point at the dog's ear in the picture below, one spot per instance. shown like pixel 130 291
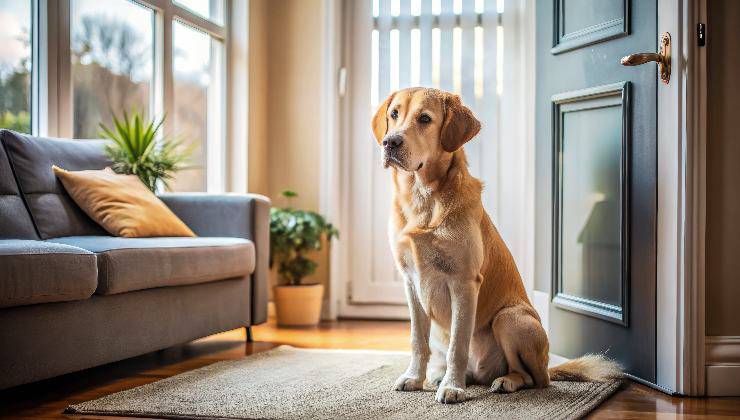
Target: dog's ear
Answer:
pixel 459 126
pixel 380 120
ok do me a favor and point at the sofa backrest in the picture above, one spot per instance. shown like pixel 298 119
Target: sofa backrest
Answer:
pixel 53 212
pixel 15 222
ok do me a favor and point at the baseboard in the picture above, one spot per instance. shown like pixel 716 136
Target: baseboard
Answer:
pixel 722 355
pixel 722 381
pixel 541 302
pixel 386 312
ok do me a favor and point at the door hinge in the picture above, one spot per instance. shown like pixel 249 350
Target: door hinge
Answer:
pixel 701 34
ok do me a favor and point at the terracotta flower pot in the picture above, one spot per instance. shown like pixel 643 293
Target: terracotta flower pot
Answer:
pixel 298 305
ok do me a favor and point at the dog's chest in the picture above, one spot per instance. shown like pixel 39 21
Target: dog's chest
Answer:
pixel 429 285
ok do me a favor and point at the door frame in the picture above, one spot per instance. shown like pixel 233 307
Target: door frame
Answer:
pixel 682 137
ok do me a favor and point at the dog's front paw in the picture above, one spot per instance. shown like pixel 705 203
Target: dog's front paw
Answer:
pixel 447 394
pixel 407 383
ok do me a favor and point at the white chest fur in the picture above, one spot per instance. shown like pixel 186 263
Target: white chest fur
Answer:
pixel 430 287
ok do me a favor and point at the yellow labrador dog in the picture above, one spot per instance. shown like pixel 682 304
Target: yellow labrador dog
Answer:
pixel 471 320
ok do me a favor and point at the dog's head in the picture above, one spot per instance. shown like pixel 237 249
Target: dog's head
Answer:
pixel 418 125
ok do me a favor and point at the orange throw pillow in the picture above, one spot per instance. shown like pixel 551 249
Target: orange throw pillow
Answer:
pixel 121 204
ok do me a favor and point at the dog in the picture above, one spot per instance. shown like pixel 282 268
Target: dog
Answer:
pixel 471 319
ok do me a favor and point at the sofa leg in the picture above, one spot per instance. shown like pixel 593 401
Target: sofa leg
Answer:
pixel 250 338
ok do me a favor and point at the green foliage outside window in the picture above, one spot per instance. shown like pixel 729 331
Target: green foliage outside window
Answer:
pixel 20 121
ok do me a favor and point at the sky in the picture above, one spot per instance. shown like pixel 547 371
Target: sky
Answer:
pixel 15 18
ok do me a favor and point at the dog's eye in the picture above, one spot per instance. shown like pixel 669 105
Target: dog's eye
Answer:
pixel 394 114
pixel 424 118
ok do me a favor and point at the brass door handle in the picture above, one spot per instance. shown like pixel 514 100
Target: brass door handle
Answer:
pixel 641 58
pixel 662 57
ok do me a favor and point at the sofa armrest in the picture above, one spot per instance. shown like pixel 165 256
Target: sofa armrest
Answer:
pixel 233 215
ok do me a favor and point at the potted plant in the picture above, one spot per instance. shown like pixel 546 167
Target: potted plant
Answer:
pixel 136 150
pixel 293 234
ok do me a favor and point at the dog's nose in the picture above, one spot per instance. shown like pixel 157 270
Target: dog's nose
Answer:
pixel 393 141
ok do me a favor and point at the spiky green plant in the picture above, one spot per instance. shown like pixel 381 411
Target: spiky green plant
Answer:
pixel 294 233
pixel 136 150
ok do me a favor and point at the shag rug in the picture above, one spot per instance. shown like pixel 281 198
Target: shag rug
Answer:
pixel 290 383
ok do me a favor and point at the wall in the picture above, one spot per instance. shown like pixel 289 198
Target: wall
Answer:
pixel 285 79
pixel 722 348
pixel 258 88
pixel 723 170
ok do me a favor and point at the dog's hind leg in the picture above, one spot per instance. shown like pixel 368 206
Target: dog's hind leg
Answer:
pixel 524 343
pixel 439 340
pixel 487 360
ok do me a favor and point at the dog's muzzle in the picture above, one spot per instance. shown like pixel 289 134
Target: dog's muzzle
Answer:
pixel 392 151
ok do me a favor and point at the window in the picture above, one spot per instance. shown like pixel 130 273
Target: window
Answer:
pixel 66 66
pixel 212 10
pixel 112 62
pixel 198 77
pixel 15 65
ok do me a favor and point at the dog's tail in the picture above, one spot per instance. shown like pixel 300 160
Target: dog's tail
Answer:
pixel 589 368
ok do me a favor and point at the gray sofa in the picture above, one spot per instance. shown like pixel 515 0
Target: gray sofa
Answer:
pixel 73 297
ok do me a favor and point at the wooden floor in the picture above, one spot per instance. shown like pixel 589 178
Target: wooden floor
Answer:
pixel 47 399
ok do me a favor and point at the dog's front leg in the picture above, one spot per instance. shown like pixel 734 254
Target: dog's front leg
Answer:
pixel 463 299
pixel 413 378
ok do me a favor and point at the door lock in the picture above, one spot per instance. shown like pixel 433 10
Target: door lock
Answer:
pixel 662 57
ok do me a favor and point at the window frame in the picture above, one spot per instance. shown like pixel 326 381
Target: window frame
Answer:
pixel 52 110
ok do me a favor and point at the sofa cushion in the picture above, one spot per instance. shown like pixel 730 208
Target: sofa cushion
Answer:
pixel 126 264
pixel 52 210
pixel 121 204
pixel 15 222
pixel 41 272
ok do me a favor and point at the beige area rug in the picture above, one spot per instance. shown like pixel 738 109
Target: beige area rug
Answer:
pixel 290 383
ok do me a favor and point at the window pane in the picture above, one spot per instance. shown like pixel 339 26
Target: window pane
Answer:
pixel 212 10
pixel 15 65
pixel 198 76
pixel 112 61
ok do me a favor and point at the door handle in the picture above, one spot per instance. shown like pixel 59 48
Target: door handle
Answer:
pixel 662 57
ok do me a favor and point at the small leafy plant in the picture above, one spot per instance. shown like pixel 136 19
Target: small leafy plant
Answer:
pixel 136 150
pixel 294 233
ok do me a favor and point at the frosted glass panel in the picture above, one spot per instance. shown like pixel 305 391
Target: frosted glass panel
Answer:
pixel 591 203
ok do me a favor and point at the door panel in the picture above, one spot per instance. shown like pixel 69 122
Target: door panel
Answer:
pixel 590 269
pixel 596 178
pixel 578 23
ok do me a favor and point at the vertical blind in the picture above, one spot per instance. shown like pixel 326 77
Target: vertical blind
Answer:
pixel 453 45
